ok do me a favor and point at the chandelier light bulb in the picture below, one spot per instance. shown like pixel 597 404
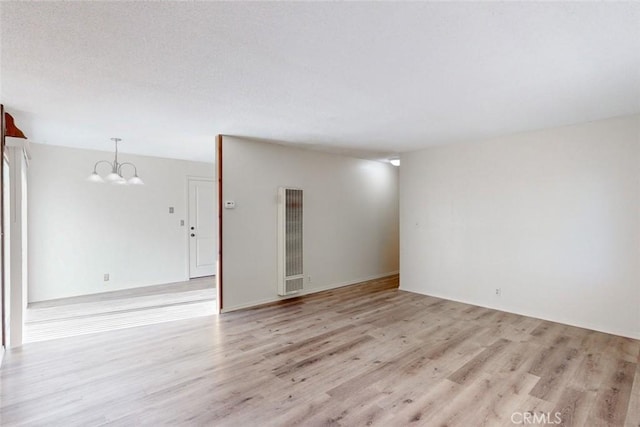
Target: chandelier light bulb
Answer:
pixel 135 180
pixel 94 177
pixel 113 177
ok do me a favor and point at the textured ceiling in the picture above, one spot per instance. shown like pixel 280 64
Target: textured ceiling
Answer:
pixel 369 79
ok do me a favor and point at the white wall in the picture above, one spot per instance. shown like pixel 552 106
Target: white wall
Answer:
pixel 551 217
pixel 79 230
pixel 16 251
pixel 350 218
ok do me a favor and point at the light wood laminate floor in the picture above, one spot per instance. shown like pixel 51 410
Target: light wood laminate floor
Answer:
pixel 126 308
pixel 361 355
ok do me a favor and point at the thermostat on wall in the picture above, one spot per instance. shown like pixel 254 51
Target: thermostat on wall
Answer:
pixel 229 204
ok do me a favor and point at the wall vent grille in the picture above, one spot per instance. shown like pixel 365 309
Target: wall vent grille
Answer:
pixel 290 241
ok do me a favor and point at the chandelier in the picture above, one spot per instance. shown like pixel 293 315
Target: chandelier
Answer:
pixel 115 176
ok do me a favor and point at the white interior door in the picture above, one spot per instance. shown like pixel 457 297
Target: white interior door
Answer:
pixel 202 228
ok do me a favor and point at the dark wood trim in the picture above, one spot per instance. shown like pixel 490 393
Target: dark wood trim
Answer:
pixel 220 210
pixel 2 148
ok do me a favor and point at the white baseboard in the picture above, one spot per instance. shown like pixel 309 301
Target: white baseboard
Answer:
pixel 598 328
pixel 309 291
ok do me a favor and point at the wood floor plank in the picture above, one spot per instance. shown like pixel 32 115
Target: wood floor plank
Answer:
pixel 614 393
pixel 574 406
pixel 511 393
pixel 472 369
pixel 633 413
pixel 558 371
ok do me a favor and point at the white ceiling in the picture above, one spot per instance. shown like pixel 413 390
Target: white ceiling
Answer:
pixel 364 78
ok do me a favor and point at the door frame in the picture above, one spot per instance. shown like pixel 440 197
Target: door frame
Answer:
pixel 218 177
pixel 188 215
pixel 3 345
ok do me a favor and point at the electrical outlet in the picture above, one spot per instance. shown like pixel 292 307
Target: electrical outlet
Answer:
pixel 498 291
pixel 106 277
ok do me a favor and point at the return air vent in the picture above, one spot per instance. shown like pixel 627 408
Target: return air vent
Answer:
pixel 290 243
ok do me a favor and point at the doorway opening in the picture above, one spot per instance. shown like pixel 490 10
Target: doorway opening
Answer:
pixel 194 297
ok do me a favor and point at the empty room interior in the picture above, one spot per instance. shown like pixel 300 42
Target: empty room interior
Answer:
pixel 320 213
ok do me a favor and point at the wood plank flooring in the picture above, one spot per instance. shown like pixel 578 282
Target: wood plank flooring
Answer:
pixel 127 308
pixel 362 355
